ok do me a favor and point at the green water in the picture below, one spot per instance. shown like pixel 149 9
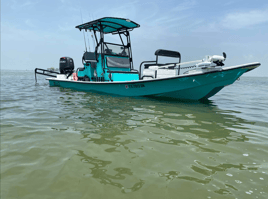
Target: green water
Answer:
pixel 59 143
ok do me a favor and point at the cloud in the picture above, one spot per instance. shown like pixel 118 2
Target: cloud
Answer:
pixel 22 4
pixel 194 24
pixel 11 32
pixel 171 19
pixel 29 23
pixel 248 57
pixel 240 20
pixel 228 3
pixel 66 27
pixel 204 27
pixel 28 3
pixel 186 5
pixel 125 10
pixel 234 21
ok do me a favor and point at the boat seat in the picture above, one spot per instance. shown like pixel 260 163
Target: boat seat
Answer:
pixel 89 57
pixel 117 62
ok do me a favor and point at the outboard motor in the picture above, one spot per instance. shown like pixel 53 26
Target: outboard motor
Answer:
pixel 66 65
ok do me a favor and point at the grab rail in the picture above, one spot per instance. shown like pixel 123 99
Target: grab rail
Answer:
pixel 44 72
pixel 167 65
pixel 143 63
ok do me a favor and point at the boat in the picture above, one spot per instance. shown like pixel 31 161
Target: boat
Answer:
pixel 53 69
pixel 109 69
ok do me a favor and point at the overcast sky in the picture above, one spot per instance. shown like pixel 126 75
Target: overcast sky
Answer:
pixel 36 33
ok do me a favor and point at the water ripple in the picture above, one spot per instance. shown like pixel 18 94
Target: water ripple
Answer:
pixel 60 143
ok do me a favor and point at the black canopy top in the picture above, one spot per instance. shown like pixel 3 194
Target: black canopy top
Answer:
pixel 109 25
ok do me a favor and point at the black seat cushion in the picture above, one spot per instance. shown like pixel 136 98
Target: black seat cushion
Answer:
pixel 89 57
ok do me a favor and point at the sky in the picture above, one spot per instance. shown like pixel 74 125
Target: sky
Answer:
pixel 36 33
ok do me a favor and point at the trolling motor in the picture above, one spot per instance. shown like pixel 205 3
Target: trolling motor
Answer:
pixel 212 61
pixel 217 59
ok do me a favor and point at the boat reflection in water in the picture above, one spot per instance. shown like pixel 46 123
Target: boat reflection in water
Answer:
pixel 150 145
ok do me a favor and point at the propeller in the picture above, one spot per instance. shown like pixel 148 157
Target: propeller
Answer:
pixel 224 55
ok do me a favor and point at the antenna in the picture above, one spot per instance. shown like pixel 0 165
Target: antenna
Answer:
pixel 83 31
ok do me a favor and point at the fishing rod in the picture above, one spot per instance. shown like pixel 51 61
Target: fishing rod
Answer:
pixel 91 19
pixel 88 42
pixel 93 40
pixel 83 31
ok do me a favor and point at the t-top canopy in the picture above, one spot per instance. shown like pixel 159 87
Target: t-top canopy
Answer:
pixel 109 25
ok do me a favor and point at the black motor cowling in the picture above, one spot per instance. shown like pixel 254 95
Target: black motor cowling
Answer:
pixel 66 65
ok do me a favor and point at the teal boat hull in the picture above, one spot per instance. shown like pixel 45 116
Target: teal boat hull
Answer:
pixel 189 87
